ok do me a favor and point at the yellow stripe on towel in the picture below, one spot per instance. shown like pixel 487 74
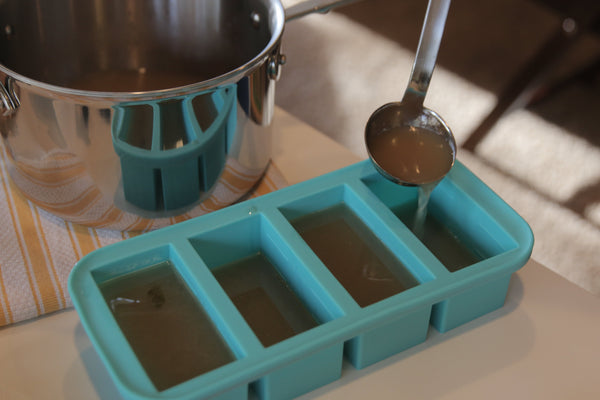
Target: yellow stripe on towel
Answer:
pixel 6 314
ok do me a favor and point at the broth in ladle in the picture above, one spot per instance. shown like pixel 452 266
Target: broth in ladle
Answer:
pixel 413 155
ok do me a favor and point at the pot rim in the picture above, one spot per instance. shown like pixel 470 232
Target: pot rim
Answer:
pixel 276 16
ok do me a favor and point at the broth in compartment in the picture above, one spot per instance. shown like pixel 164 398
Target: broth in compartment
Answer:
pixel 368 270
pixel 440 240
pixel 265 300
pixel 171 335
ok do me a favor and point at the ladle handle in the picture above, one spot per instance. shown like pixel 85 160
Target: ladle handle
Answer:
pixel 427 51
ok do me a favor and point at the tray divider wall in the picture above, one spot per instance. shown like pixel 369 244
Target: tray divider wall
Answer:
pixel 224 314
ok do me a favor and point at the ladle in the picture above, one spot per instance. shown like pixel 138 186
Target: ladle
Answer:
pixel 408 143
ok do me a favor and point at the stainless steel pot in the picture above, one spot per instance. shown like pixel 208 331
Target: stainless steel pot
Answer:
pixel 118 111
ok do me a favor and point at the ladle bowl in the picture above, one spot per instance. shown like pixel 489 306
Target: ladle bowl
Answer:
pixel 408 143
pixel 431 150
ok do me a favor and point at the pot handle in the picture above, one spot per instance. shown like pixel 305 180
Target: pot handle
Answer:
pixel 299 8
pixel 9 102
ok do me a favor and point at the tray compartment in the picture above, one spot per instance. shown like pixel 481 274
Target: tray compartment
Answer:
pixel 171 334
pixel 276 297
pixel 330 224
pixel 456 219
pixel 461 234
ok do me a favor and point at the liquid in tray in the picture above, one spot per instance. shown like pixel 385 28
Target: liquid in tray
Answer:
pixel 367 269
pixel 171 335
pixel 270 307
pixel 440 240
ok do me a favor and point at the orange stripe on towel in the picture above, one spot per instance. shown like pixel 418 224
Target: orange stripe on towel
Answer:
pixel 265 186
pixel 86 238
pixel 50 263
pixel 6 314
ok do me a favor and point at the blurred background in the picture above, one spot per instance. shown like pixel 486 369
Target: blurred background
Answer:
pixel 518 81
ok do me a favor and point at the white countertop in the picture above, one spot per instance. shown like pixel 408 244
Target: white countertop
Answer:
pixel 543 344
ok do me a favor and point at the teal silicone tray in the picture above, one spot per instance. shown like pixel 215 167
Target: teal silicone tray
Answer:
pixel 499 238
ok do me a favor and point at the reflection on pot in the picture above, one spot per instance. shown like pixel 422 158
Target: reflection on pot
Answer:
pixel 84 203
pixel 173 150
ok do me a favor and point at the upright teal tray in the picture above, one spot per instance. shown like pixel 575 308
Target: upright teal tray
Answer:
pixel 364 335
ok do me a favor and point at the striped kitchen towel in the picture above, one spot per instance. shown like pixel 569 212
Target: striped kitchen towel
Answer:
pixel 38 248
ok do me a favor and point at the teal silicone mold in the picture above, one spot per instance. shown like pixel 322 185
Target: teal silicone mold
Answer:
pixel 365 335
